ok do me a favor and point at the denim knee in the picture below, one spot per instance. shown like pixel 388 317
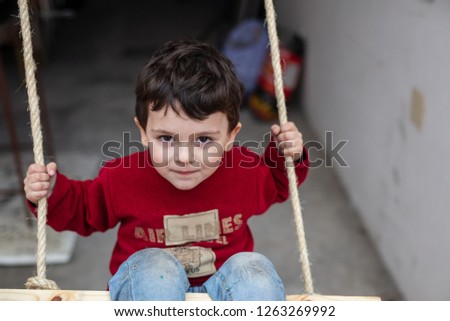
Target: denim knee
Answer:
pixel 246 276
pixel 149 274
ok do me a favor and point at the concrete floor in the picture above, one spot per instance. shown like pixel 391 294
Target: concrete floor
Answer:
pixel 89 80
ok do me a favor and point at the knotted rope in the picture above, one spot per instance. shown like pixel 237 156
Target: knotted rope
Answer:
pixel 39 281
pixel 282 115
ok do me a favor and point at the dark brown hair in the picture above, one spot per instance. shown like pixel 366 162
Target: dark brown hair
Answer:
pixel 192 76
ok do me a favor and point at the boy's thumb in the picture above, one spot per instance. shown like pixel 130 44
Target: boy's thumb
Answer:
pixel 51 168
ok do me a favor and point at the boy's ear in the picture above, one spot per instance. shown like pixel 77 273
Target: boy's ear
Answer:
pixel 144 138
pixel 232 135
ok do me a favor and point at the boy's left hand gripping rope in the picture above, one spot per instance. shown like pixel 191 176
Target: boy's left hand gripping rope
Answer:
pixel 40 281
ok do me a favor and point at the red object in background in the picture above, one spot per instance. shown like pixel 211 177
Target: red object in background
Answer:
pixel 263 101
pixel 291 64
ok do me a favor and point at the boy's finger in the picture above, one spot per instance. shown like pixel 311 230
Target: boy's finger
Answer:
pixel 294 152
pixel 35 196
pixel 275 130
pixel 288 136
pixel 39 186
pixel 38 177
pixel 289 126
pixel 35 168
pixel 284 145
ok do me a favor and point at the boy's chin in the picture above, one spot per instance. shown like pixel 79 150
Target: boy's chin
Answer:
pixel 185 185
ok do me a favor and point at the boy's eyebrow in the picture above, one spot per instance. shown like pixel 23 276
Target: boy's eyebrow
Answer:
pixel 162 131
pixel 207 132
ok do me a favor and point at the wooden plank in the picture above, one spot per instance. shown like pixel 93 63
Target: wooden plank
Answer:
pixel 71 295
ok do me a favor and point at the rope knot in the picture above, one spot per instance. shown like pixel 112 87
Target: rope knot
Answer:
pixel 39 283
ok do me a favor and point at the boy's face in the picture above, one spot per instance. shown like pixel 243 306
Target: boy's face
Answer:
pixel 186 151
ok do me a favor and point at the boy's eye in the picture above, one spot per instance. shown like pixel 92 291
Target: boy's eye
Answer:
pixel 165 138
pixel 204 139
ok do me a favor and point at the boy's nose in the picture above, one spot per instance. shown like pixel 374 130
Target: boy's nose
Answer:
pixel 184 154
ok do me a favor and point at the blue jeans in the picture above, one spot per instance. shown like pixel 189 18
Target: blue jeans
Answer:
pixel 156 275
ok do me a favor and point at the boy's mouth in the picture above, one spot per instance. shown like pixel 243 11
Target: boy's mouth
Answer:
pixel 184 173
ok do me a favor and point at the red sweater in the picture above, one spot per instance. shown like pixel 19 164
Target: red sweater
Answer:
pixel 202 227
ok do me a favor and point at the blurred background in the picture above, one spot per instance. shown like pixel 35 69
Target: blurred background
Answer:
pixel 365 80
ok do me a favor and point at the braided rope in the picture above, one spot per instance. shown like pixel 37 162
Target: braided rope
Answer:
pixel 282 115
pixel 39 281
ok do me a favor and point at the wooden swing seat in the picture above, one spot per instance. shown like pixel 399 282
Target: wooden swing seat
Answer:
pixel 76 295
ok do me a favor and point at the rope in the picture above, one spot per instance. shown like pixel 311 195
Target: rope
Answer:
pixel 282 115
pixel 39 281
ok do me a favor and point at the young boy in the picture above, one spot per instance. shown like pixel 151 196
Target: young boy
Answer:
pixel 184 203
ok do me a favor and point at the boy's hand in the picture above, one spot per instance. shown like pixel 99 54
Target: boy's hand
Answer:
pixel 39 182
pixel 289 140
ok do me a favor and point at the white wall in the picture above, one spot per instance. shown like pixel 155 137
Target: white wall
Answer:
pixel 365 59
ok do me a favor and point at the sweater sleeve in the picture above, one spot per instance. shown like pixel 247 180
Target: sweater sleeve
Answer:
pixel 273 184
pixel 80 206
